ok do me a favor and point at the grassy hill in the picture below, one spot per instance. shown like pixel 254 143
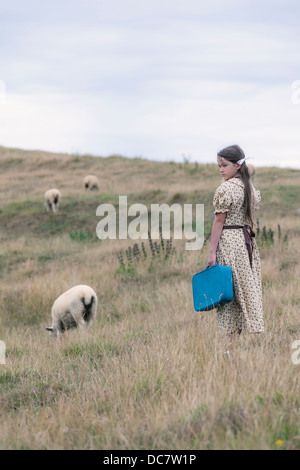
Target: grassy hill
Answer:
pixel 151 373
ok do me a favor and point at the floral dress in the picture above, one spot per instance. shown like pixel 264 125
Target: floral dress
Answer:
pixel 245 311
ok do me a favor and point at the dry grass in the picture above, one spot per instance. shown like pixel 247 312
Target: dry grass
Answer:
pixel 151 373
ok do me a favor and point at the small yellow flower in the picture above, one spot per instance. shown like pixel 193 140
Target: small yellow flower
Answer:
pixel 279 443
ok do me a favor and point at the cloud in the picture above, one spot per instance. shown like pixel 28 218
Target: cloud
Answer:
pixel 159 126
pixel 154 79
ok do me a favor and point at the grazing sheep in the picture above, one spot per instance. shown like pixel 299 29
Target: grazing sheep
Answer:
pixel 52 199
pixel 77 307
pixel 251 170
pixel 91 182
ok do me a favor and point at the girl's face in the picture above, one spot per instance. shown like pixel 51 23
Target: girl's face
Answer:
pixel 227 169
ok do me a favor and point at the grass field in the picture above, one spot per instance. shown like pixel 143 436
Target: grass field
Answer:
pixel 150 373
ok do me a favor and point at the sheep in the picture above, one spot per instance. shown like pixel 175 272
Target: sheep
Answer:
pixel 77 307
pixel 251 171
pixel 91 182
pixel 52 199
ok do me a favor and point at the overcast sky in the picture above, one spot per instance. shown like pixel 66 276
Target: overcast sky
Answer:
pixel 163 80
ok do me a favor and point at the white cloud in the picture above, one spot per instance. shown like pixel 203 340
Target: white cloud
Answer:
pixel 154 79
pixel 158 126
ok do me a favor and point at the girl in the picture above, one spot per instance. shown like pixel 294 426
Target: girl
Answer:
pixel 233 244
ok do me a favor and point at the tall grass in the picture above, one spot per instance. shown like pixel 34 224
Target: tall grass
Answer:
pixel 150 373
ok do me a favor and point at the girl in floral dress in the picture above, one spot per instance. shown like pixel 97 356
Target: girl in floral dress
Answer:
pixel 233 244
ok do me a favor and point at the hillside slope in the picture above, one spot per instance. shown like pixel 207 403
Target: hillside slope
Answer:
pixel 151 373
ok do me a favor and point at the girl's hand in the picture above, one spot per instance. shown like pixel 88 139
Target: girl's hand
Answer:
pixel 212 259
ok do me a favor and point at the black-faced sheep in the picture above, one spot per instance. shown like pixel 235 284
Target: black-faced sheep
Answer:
pixel 52 199
pixel 91 182
pixel 77 307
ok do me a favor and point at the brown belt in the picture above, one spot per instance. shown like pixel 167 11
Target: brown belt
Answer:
pixel 248 237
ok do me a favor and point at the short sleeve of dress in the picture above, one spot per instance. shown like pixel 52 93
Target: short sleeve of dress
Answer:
pixel 222 199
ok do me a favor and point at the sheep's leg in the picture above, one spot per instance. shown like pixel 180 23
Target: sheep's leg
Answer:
pixel 81 324
pixel 56 331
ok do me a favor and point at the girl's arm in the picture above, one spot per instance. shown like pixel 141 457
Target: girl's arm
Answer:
pixel 215 236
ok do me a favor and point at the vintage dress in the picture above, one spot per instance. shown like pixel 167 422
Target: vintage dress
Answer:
pixel 245 311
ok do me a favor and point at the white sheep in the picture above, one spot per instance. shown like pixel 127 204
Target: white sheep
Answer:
pixel 77 307
pixel 251 171
pixel 52 199
pixel 91 182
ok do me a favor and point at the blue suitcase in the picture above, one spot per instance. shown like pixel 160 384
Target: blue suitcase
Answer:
pixel 212 287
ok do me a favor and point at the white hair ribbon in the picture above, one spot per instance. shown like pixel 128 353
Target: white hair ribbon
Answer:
pixel 240 162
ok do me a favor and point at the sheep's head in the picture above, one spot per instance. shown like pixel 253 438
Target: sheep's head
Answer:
pixel 51 331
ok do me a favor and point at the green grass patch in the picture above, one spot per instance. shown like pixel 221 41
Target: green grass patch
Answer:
pixel 8 379
pixel 282 199
pixel 92 351
pixel 83 236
